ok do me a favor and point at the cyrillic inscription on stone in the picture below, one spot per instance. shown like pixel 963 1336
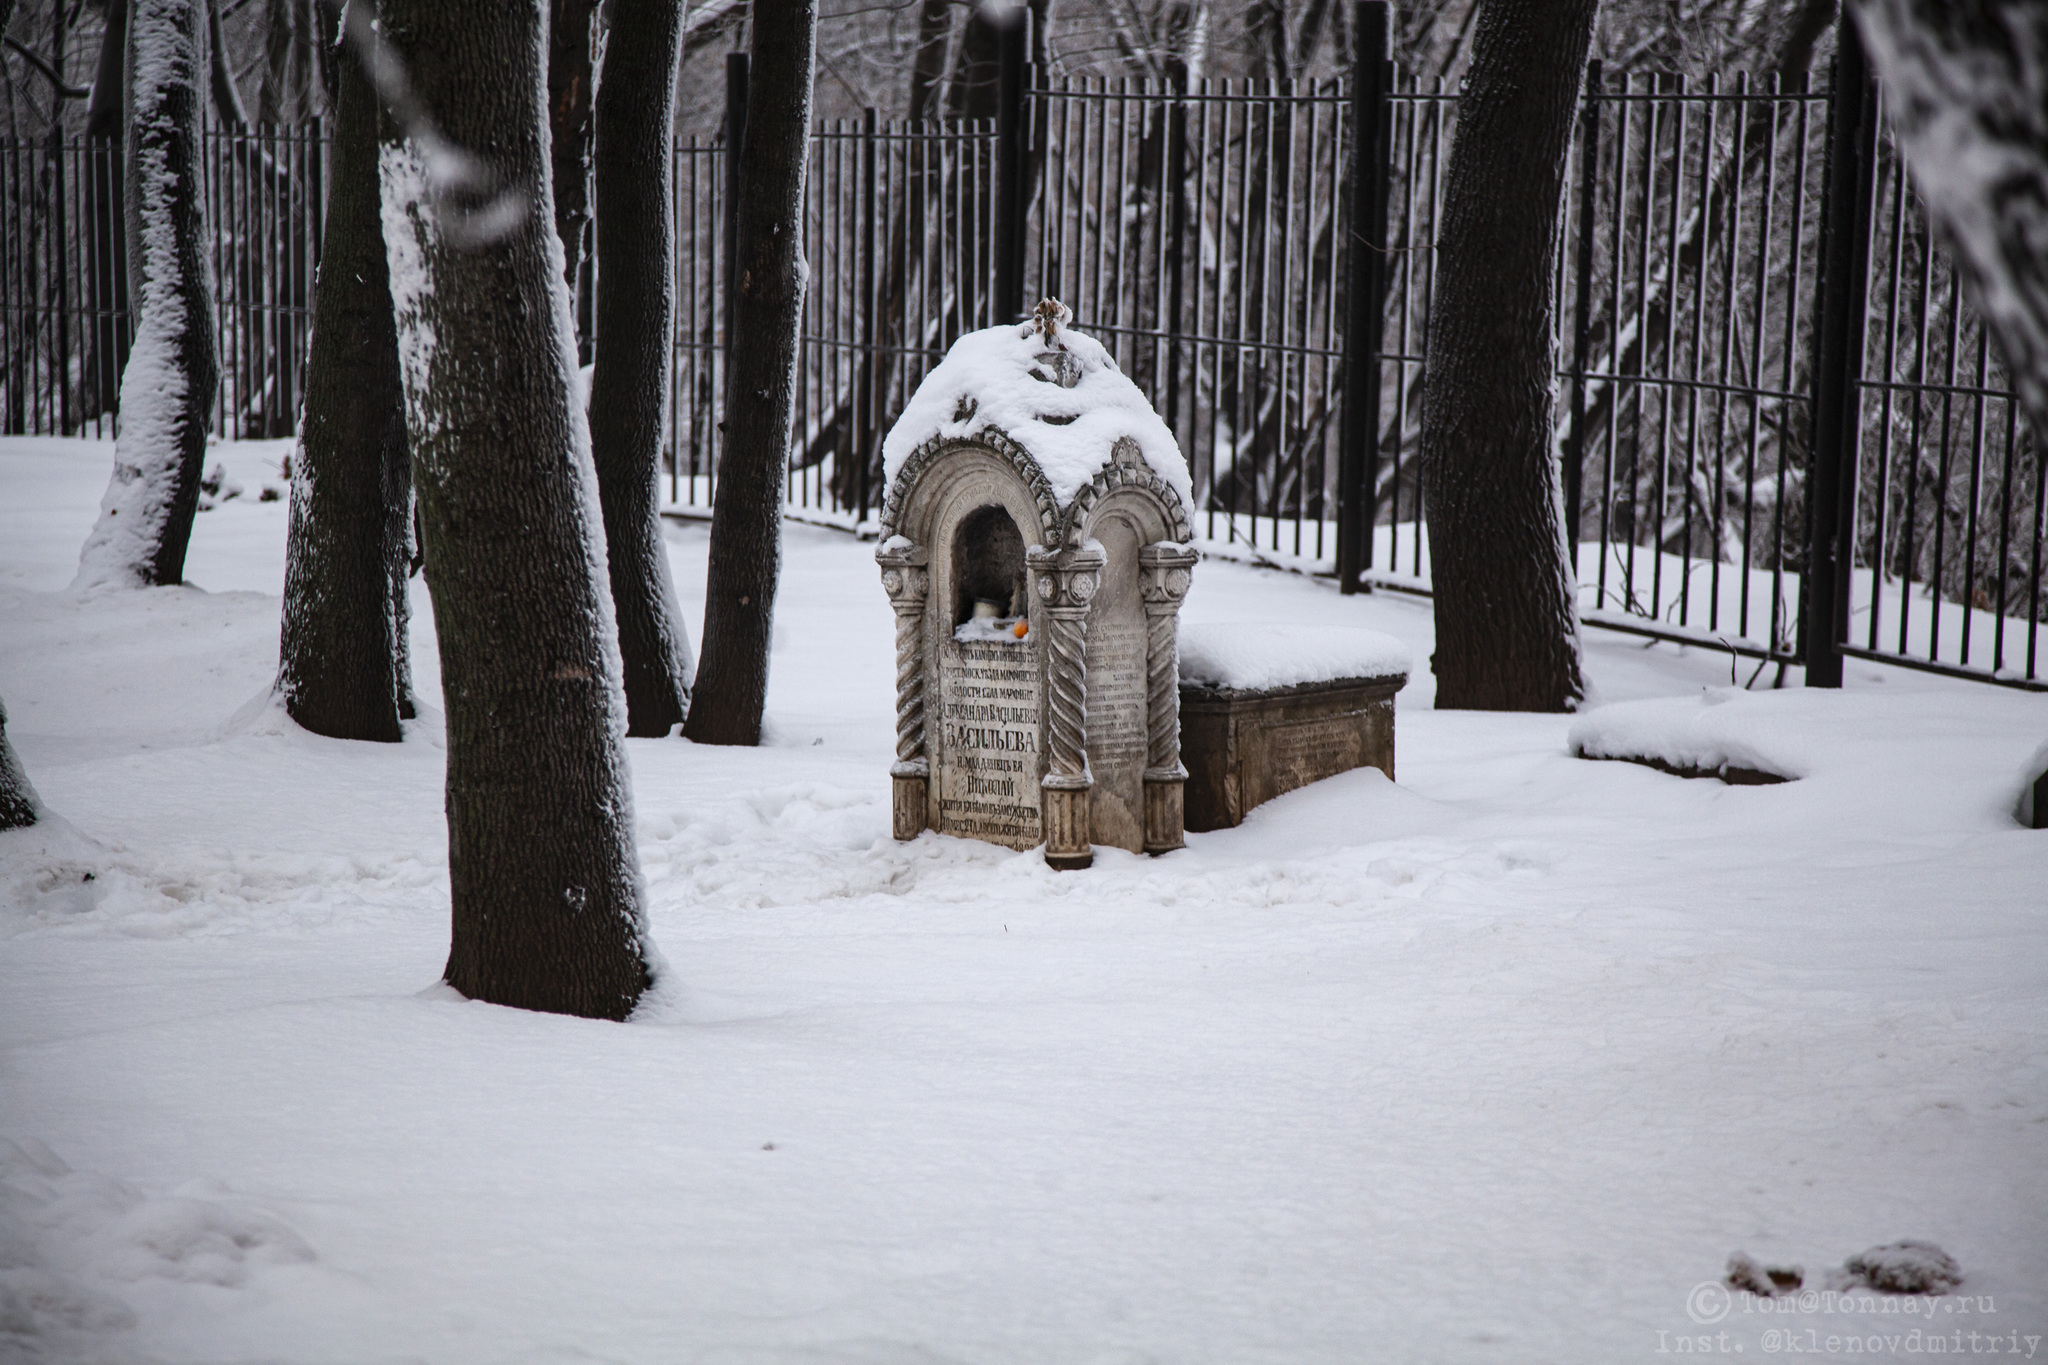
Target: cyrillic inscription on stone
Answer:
pixel 990 741
pixel 1116 721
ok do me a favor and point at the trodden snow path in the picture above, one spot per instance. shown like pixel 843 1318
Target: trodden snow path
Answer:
pixel 1495 1064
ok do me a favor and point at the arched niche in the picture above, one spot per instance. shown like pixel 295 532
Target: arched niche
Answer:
pixel 984 706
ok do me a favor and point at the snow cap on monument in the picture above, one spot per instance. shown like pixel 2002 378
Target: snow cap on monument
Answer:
pixel 1054 391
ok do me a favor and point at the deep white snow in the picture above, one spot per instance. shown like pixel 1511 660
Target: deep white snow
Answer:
pixel 1251 654
pixel 994 378
pixel 1497 1064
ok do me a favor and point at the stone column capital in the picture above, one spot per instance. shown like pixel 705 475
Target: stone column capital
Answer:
pixel 1066 580
pixel 905 576
pixel 1165 572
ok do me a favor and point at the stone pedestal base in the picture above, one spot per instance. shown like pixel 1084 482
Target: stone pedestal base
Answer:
pixel 907 804
pixel 1164 796
pixel 1066 828
pixel 1246 746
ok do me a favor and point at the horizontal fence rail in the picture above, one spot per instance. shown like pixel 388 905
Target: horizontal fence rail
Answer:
pixel 1205 236
pixel 65 316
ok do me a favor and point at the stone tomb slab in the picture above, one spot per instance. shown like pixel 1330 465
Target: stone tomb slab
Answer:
pixel 1245 746
pixel 990 751
pixel 1116 692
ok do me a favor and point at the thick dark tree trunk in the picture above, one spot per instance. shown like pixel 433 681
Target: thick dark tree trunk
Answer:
pixel 1507 636
pixel 1966 85
pixel 19 804
pixel 227 97
pixel 746 515
pixel 928 63
pixel 629 387
pixel 546 894
pixel 973 93
pixel 106 191
pixel 341 658
pixel 167 388
pixel 570 124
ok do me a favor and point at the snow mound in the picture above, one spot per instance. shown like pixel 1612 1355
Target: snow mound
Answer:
pixel 1906 1268
pixel 1723 728
pixel 63 1232
pixel 1238 654
pixel 994 378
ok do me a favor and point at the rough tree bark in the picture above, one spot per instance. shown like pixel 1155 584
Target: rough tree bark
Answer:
pixel 1507 635
pixel 167 387
pixel 342 652
pixel 746 515
pixel 1966 85
pixel 19 804
pixel 545 888
pixel 106 269
pixel 629 386
pixel 570 124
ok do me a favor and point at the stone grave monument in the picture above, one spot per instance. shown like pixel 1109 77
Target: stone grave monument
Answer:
pixel 1035 549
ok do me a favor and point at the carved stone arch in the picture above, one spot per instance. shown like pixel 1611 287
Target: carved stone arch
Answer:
pixel 1127 469
pixel 911 476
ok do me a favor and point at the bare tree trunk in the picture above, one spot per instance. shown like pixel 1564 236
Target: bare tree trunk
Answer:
pixel 629 389
pixel 167 389
pixel 1506 621
pixel 928 66
pixel 227 97
pixel 569 119
pixel 545 887
pixel 341 657
pixel 290 43
pixel 1966 85
pixel 746 516
pixel 19 804
pixel 106 189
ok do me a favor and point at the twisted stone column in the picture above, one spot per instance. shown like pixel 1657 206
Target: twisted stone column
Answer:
pixel 906 579
pixel 1065 581
pixel 1164 572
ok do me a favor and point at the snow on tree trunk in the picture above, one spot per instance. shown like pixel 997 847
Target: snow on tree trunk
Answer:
pixel 19 804
pixel 341 657
pixel 1966 85
pixel 746 515
pixel 546 896
pixel 629 388
pixel 570 81
pixel 106 196
pixel 167 388
pixel 1506 622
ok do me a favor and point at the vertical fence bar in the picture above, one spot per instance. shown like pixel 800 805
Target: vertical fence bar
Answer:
pixel 735 135
pixel 1011 156
pixel 1365 255
pixel 1582 309
pixel 867 418
pixel 1838 369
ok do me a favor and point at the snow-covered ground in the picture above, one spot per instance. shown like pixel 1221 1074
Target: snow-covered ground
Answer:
pixel 1496 1064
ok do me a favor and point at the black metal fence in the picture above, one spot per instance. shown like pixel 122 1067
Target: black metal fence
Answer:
pixel 1224 241
pixel 64 307
pixel 1688 316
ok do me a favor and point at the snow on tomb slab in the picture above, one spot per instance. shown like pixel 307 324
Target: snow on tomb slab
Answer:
pixel 1250 656
pixel 994 378
pixel 1724 729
